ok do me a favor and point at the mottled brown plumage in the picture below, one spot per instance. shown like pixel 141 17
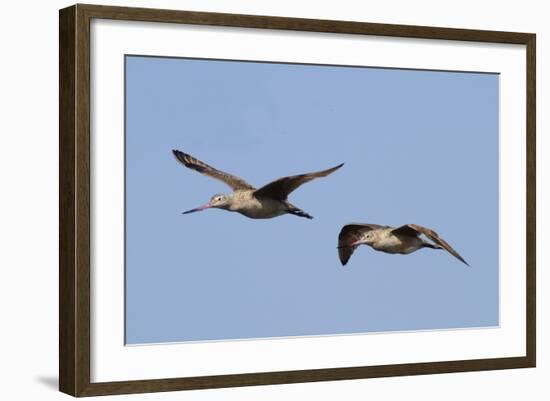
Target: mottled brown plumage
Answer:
pixel 282 187
pixel 189 161
pixel 263 203
pixel 416 230
pixel 403 240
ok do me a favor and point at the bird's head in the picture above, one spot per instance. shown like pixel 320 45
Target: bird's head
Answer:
pixel 368 238
pixel 220 201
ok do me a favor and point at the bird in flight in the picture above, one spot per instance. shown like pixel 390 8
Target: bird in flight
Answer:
pixel 404 240
pixel 262 203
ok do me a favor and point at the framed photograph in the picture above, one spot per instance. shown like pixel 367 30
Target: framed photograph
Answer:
pixel 249 200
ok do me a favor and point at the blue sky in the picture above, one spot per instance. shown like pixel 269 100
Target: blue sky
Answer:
pixel 419 147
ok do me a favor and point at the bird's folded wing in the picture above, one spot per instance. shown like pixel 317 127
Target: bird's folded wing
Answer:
pixel 190 162
pixel 349 234
pixel 282 187
pixel 432 235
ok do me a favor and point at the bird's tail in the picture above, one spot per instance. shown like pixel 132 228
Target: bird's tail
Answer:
pixel 298 212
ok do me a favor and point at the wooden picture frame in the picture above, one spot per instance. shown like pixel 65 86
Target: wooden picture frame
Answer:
pixel 74 202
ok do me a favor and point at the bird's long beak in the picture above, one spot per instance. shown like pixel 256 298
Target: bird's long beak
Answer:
pixel 198 209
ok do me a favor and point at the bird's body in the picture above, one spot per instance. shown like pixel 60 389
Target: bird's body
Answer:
pixel 401 240
pixel 389 242
pixel 245 203
pixel 263 203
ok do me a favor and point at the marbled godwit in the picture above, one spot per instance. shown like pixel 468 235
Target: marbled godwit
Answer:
pixel 263 203
pixel 404 240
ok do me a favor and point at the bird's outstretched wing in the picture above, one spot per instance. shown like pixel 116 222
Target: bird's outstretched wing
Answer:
pixel 282 187
pixel 414 229
pixel 190 162
pixel 349 234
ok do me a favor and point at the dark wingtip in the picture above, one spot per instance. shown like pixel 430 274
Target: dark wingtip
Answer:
pixel 181 156
pixel 342 258
pixel 345 260
pixel 459 257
